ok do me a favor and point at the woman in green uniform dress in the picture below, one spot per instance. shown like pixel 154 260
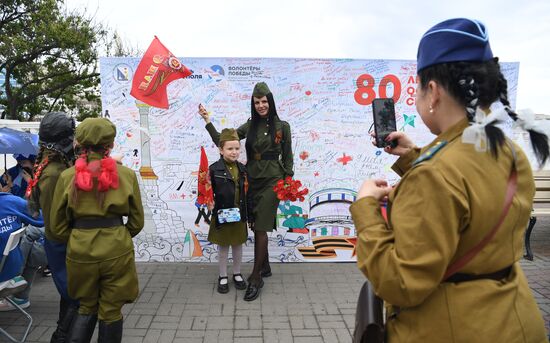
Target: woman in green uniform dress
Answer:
pixel 450 198
pixel 88 207
pixel 229 185
pixel 269 159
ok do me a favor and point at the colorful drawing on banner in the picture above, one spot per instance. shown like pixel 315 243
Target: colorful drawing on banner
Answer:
pixel 408 120
pixel 327 104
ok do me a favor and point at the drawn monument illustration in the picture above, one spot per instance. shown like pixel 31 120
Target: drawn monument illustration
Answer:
pixel 164 236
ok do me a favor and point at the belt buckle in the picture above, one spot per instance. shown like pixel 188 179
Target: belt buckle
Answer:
pixel 257 156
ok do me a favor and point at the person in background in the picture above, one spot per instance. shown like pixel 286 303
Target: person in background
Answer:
pixel 56 134
pixel 89 203
pixel 32 242
pixel 449 199
pixel 20 174
pixel 13 214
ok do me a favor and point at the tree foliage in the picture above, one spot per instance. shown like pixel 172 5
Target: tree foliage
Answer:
pixel 52 55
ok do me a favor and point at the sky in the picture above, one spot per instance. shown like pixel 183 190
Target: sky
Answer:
pixel 519 31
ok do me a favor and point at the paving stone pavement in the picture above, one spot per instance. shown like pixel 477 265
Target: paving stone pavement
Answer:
pixel 300 303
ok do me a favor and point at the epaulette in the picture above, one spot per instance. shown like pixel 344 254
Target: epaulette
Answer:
pixel 430 152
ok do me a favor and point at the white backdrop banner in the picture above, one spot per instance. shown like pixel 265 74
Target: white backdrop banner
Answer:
pixel 328 105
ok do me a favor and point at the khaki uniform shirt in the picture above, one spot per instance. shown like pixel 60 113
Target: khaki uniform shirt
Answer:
pixel 441 208
pixel 94 245
pixel 264 144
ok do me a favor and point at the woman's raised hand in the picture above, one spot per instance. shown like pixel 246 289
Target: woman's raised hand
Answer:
pixel 204 114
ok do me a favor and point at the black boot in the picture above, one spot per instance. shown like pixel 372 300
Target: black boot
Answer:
pixel 67 313
pixel 83 328
pixel 110 332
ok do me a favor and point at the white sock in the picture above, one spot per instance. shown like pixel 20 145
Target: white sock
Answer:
pixel 223 253
pixel 237 252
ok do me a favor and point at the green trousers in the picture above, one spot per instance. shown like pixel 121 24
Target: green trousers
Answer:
pixel 103 287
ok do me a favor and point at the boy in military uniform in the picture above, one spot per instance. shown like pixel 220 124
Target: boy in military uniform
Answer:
pixel 90 200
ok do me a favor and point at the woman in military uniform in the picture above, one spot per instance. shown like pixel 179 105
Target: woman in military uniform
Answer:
pixel 89 202
pixel 269 159
pixel 460 181
pixel 56 154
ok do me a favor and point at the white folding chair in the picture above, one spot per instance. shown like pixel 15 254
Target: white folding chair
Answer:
pixel 7 289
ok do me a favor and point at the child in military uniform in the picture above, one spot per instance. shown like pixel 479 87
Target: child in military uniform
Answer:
pixel 230 208
pixel 56 136
pixel 447 263
pixel 89 202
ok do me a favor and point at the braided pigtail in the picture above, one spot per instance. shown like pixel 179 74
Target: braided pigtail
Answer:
pixel 472 84
pixel 32 194
pixel 539 141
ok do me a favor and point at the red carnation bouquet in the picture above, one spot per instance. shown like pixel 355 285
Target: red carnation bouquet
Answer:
pixel 289 189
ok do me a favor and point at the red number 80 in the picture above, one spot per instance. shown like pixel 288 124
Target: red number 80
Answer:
pixel 365 88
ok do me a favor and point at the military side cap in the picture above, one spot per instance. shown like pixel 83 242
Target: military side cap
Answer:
pixel 430 152
pixel 260 90
pixel 454 40
pixel 95 132
pixel 229 135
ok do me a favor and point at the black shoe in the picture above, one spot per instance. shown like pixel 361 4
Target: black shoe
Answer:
pixel 253 291
pixel 223 288
pixel 82 328
pixel 239 284
pixel 266 272
pixel 110 332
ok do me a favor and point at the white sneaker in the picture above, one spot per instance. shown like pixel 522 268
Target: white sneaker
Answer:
pixel 7 306
pixel 16 282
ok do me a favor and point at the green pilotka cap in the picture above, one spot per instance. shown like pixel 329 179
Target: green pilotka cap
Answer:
pixel 260 90
pixel 229 135
pixel 95 132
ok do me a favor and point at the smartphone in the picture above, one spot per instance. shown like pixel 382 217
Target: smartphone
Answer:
pixel 383 112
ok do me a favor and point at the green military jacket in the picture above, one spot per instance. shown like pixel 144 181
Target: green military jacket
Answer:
pixel 448 198
pixel 93 245
pixel 46 185
pixel 264 144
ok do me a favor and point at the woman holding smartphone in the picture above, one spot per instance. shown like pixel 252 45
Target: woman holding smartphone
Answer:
pixel 447 262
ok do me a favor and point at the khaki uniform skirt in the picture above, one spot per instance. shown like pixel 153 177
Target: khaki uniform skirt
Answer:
pixel 265 203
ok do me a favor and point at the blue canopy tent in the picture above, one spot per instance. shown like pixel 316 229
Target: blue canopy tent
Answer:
pixel 17 142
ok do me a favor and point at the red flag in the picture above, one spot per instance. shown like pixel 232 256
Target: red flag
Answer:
pixel 205 194
pixel 155 71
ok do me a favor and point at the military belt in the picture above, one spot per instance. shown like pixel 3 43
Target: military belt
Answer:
pixel 498 275
pixel 265 156
pixel 96 222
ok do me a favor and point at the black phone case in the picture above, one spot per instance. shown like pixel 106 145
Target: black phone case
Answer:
pixel 378 105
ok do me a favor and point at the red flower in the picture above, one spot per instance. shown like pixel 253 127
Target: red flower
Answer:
pixel 289 189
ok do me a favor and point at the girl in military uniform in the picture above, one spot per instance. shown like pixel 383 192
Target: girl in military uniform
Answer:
pixel 269 159
pixel 230 186
pixel 56 154
pixel 89 202
pixel 461 181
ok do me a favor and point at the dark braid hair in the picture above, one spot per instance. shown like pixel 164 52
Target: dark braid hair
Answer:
pixel 479 84
pixel 41 163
